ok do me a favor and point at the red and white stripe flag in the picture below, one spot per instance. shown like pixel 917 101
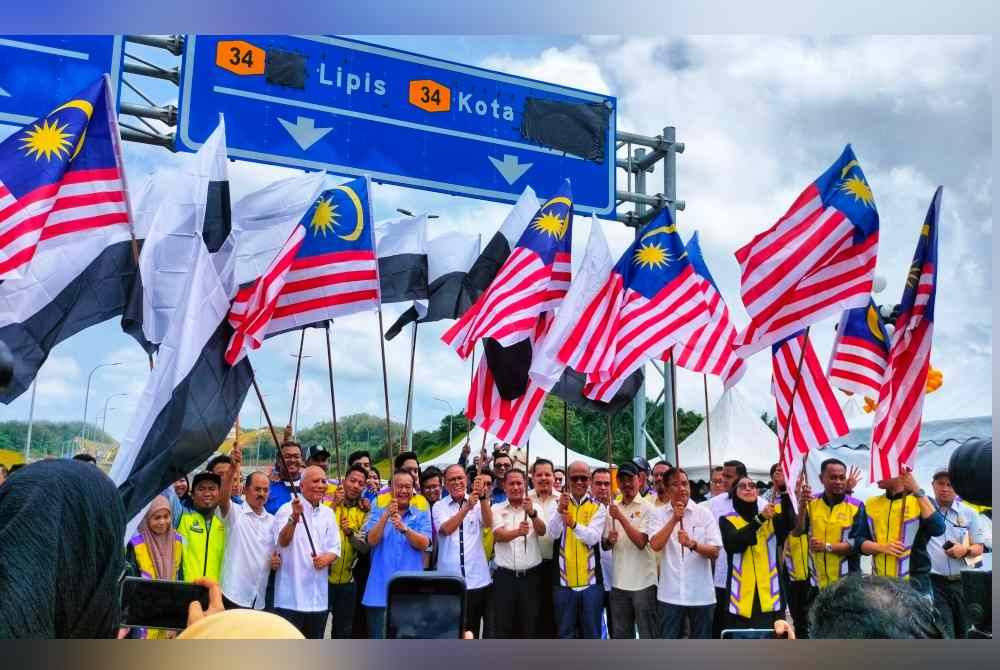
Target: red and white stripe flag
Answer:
pixel 816 418
pixel 816 261
pixel 860 352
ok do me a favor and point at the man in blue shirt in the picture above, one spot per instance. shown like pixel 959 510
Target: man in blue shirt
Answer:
pixel 502 464
pixel 398 535
pixel 289 472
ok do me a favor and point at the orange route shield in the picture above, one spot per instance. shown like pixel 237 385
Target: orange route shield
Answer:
pixel 239 57
pixel 430 96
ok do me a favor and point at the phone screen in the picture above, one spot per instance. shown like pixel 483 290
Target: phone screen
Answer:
pixel 749 634
pixel 425 606
pixel 157 603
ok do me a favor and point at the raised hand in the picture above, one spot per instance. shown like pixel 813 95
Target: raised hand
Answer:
pixel 768 511
pixel 854 477
pixel 296 509
pixel 236 455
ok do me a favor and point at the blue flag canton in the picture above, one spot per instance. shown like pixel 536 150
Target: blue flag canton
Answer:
pixel 551 228
pixel 864 323
pixel 780 343
pixel 925 257
pixel 844 187
pixel 655 259
pixel 698 261
pixel 339 220
pixel 74 136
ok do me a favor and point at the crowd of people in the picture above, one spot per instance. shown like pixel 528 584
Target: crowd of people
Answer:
pixel 550 556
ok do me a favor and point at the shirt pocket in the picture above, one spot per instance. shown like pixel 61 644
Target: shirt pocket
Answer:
pixel 698 532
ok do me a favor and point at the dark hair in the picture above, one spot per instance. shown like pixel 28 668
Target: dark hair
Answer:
pixel 665 464
pixel 868 607
pixel 221 458
pixel 357 467
pixel 741 469
pixel 502 454
pixel 717 468
pixel 600 471
pixel 357 456
pixel 514 471
pixel 249 480
pixel 562 470
pixel 290 443
pixel 431 473
pixel 542 461
pixel 671 473
pixel 86 458
pixel 831 461
pixel 402 457
pixel 774 468
pixel 404 472
pixel 489 473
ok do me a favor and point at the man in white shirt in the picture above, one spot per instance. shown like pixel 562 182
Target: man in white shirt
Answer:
pixel 250 552
pixel 517 527
pixel 633 593
pixel 459 519
pixel 308 540
pixel 689 538
pixel 600 489
pixel 545 499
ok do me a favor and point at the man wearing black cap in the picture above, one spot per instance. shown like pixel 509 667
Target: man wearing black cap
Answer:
pixel 642 466
pixel 204 535
pixel 319 457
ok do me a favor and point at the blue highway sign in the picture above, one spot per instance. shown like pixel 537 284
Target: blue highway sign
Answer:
pixel 353 108
pixel 40 72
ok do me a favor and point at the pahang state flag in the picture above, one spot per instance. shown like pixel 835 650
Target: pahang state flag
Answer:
pixel 710 349
pixel 66 258
pixel 533 280
pixel 326 269
pixel 651 300
pixel 860 351
pixel 816 261
pixel 899 414
pixel 817 418
pixel 401 245
pixel 192 396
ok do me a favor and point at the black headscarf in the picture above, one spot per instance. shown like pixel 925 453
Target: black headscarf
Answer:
pixel 62 525
pixel 745 509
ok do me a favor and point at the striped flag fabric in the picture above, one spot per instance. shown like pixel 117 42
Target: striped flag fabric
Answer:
pixel 60 175
pixel 860 351
pixel 899 414
pixel 533 280
pixel 710 350
pixel 817 417
pixel 816 261
pixel 651 300
pixel 327 268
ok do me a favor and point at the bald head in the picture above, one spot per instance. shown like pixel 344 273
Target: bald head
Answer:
pixel 313 484
pixel 579 478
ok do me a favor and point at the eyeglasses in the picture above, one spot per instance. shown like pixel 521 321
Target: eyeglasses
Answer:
pixel 746 486
pixel 579 478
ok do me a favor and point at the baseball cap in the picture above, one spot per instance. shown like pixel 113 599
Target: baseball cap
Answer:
pixel 628 469
pixel 641 463
pixel 319 452
pixel 202 476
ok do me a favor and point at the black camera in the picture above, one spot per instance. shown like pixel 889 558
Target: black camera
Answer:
pixel 970 470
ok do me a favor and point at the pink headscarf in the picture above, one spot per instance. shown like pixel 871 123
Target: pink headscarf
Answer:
pixel 161 547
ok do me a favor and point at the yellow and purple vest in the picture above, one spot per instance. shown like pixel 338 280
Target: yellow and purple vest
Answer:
pixel 755 571
pixel 578 562
pixel 830 525
pixel 797 557
pixel 889 520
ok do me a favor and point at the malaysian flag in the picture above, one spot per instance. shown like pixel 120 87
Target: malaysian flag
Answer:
pixel 327 268
pixel 860 351
pixel 533 280
pixel 651 300
pixel 816 418
pixel 710 350
pixel 816 261
pixel 901 399
pixel 60 174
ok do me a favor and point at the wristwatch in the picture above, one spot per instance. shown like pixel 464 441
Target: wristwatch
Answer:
pixel 920 493
pixel 829 548
pixel 533 514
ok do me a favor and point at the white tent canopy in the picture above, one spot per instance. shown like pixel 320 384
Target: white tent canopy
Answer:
pixel 541 445
pixel 737 433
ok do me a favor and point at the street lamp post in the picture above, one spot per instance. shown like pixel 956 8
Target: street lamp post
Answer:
pixel 86 397
pixel 295 393
pixel 451 420
pixel 106 400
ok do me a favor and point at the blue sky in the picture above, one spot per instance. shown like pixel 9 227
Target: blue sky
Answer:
pixel 761 118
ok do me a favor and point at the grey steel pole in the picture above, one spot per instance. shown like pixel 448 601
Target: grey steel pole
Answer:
pixel 31 419
pixel 639 402
pixel 451 420
pixel 670 192
pixel 86 398
pixel 106 401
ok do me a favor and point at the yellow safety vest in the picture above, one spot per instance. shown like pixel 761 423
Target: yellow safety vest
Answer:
pixel 755 570
pixel 204 546
pixel 893 520
pixel 341 571
pixel 797 557
pixel 829 525
pixel 577 561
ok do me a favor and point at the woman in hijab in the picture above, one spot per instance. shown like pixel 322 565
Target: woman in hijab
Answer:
pixel 751 537
pixel 61 556
pixel 155 553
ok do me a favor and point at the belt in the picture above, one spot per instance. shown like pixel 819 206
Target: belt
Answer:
pixel 946 578
pixel 516 574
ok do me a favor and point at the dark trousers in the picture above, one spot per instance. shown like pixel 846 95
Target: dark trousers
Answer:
pixel 719 616
pixel 546 609
pixel 375 617
pixel 672 618
pixel 607 612
pixel 230 605
pixel 342 604
pixel 631 610
pixel 310 624
pixel 479 611
pixel 800 597
pixel 516 611
pixel 361 570
pixel 949 599
pixel 578 613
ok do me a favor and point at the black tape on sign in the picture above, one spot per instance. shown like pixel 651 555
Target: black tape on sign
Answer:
pixel 580 129
pixel 285 68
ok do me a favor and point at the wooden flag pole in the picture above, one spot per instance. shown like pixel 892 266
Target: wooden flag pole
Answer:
pixel 708 425
pixel 791 402
pixel 673 406
pixel 333 405
pixel 281 456
pixel 385 389
pixel 409 389
pixel 565 438
pixel 610 442
pixel 472 380
pixel 298 370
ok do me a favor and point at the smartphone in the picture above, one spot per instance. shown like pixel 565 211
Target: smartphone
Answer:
pixel 159 603
pixel 425 606
pixel 947 545
pixel 749 634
